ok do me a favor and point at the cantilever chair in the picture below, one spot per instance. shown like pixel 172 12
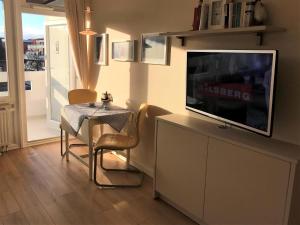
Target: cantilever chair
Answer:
pixel 77 96
pixel 121 142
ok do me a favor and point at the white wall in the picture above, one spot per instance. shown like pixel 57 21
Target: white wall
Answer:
pixel 164 86
pixel 3 76
pixel 36 98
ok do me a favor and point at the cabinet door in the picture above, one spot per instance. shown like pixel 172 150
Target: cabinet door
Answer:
pixel 181 164
pixel 244 187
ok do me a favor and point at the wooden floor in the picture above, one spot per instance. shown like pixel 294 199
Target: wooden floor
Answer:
pixel 38 188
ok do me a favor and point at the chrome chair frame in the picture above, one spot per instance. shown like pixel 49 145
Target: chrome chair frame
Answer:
pixel 63 154
pixel 128 170
pixel 101 148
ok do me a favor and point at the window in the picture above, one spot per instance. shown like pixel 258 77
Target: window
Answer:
pixel 4 88
pixel 33 42
pixel 28 86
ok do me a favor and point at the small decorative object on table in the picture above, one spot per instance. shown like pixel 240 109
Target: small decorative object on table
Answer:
pixel 106 98
pixel 260 13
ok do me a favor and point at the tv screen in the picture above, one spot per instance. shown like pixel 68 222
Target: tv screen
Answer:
pixel 233 86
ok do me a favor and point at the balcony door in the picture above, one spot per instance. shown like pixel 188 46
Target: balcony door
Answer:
pixel 59 70
pixel 48 73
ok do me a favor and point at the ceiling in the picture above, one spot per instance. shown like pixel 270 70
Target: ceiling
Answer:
pixel 55 3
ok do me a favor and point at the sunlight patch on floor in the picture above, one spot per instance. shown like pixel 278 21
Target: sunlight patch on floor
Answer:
pixel 39 129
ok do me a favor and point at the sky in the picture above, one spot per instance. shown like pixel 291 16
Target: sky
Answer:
pixel 33 25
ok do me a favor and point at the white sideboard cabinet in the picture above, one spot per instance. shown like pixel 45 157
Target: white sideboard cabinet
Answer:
pixel 225 176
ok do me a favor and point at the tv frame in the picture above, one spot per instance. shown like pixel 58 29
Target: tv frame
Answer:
pixel 267 133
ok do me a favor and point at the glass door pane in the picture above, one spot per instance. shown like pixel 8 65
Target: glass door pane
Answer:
pixel 4 87
pixel 47 73
pixel 59 64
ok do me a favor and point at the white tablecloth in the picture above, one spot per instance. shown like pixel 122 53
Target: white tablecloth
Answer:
pixel 115 116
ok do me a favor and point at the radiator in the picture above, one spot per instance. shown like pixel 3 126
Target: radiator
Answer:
pixel 4 137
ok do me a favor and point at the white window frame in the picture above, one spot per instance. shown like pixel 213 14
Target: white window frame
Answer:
pixel 11 73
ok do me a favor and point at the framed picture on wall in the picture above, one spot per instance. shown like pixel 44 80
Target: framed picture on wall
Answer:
pixel 124 51
pixel 154 49
pixel 216 16
pixel 101 49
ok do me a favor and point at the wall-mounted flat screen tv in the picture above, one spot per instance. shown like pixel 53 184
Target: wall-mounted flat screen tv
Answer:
pixel 234 86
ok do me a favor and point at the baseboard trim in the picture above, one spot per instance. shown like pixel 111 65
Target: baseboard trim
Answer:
pixel 143 168
pixel 13 147
pixel 148 171
pixel 42 142
pixel 182 210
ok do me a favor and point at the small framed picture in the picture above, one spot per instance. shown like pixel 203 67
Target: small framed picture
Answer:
pixel 101 49
pixel 216 18
pixel 124 51
pixel 154 49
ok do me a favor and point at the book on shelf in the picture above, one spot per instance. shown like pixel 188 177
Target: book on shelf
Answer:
pixel 196 19
pixel 248 13
pixel 226 15
pixel 241 13
pixel 237 10
pixel 237 13
pixel 204 16
pixel 230 12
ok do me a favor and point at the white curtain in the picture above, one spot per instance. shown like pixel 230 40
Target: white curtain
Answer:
pixel 76 22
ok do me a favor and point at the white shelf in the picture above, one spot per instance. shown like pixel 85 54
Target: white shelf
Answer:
pixel 259 30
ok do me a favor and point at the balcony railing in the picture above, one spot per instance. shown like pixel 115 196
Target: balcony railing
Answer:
pixel 34 64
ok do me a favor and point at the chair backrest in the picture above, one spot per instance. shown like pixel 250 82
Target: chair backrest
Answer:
pixel 79 96
pixel 139 121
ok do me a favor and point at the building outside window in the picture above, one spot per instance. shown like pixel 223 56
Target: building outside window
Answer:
pixel 34 54
pixel 33 42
